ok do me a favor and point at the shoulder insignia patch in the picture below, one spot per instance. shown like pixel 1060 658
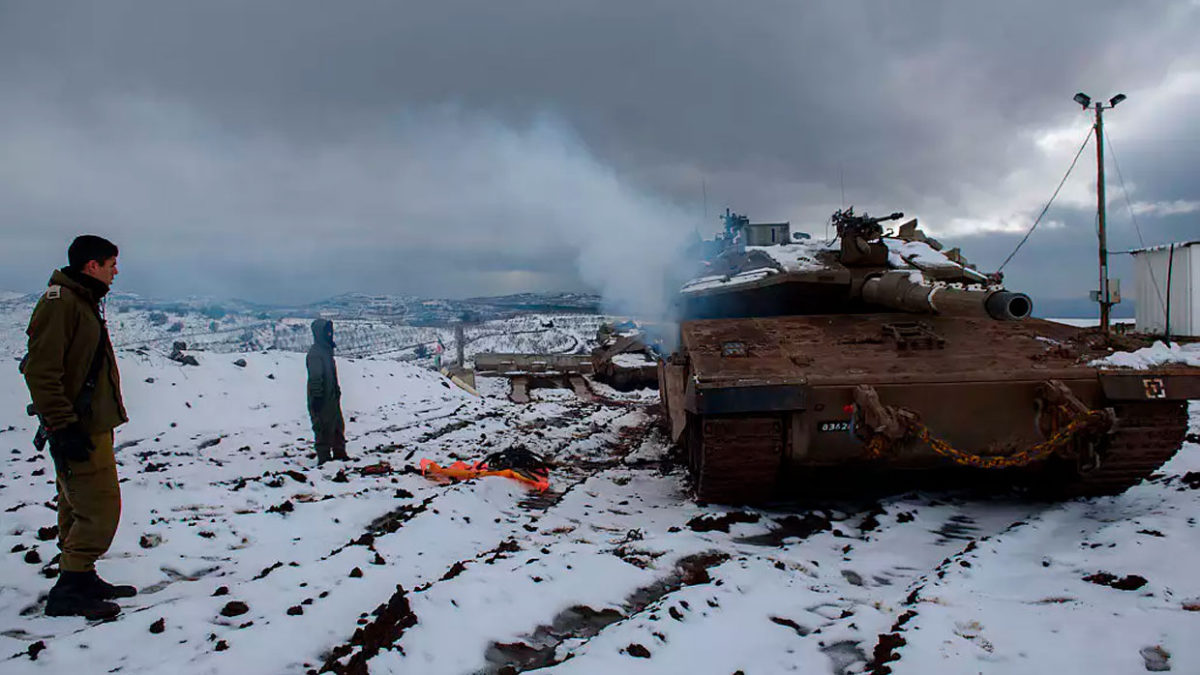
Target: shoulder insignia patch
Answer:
pixel 54 292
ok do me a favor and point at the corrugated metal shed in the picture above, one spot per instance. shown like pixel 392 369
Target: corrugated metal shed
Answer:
pixel 1170 272
pixel 768 234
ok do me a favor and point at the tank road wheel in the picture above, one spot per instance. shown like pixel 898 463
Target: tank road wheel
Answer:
pixel 1146 436
pixel 735 460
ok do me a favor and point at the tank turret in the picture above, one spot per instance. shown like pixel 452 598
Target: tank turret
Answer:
pixel 865 269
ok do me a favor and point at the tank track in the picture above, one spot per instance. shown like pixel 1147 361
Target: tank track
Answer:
pixel 1148 434
pixel 735 460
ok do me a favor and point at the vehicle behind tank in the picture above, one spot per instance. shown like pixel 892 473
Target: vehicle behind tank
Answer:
pixel 878 355
pixel 625 357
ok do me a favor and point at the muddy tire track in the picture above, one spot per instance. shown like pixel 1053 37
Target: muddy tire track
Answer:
pixel 579 624
pixel 390 621
pixel 955 541
pixel 365 644
pixel 886 643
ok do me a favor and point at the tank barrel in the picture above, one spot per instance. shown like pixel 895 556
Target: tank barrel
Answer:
pixel 898 291
pixel 1008 305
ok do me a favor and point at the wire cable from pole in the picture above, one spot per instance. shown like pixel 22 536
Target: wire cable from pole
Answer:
pixel 1047 207
pixel 1133 216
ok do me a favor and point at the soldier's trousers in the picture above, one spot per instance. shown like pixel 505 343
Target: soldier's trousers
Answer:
pixel 89 507
pixel 330 431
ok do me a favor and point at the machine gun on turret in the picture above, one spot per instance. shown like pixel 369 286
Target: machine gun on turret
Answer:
pixel 860 235
pixel 865 226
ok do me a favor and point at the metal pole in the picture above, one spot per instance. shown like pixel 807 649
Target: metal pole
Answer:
pixel 1104 297
pixel 459 340
pixel 1170 273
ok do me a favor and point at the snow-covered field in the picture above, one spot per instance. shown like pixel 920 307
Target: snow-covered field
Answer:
pixel 252 560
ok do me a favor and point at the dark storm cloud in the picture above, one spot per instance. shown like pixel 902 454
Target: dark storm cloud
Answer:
pixel 288 150
pixel 1061 263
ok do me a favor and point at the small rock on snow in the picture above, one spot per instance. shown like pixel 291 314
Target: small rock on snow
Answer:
pixel 1156 658
pixel 634 649
pixel 35 649
pixel 234 608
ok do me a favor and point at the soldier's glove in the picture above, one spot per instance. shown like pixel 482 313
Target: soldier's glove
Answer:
pixel 71 442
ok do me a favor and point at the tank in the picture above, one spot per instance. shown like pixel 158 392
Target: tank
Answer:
pixel 625 358
pixel 880 356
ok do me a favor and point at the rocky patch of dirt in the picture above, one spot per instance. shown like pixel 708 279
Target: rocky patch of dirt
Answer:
pixel 1129 582
pixel 392 619
pixel 721 523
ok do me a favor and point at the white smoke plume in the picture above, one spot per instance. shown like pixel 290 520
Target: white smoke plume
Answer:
pixel 434 202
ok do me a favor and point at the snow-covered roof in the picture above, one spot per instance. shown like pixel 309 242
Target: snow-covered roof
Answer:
pixel 1164 247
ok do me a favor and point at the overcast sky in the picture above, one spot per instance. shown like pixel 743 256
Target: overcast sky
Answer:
pixel 294 150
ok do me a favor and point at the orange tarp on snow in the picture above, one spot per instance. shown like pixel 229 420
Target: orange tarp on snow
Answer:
pixel 463 471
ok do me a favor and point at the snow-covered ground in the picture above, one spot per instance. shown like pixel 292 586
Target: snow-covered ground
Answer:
pixel 1081 323
pixel 1157 354
pixel 252 560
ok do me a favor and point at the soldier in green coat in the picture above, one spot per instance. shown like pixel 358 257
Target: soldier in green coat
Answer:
pixel 324 395
pixel 71 371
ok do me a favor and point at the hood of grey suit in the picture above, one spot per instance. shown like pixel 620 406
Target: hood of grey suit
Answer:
pixel 322 330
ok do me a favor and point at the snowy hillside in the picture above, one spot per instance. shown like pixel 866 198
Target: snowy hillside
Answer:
pixel 252 560
pixel 365 325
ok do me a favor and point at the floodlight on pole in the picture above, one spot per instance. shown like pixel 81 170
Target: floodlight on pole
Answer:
pixel 1083 99
pixel 1112 102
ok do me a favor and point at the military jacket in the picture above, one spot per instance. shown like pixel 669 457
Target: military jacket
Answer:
pixel 65 332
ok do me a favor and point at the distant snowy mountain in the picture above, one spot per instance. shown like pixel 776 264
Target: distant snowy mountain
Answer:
pixel 399 327
pixel 416 311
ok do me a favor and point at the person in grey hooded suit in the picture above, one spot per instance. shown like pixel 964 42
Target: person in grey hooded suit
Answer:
pixel 324 395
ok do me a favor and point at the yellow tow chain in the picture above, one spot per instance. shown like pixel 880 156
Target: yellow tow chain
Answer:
pixel 1091 419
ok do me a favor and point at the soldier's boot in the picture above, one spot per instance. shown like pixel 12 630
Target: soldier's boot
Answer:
pixel 99 588
pixel 340 453
pixel 322 454
pixel 70 597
